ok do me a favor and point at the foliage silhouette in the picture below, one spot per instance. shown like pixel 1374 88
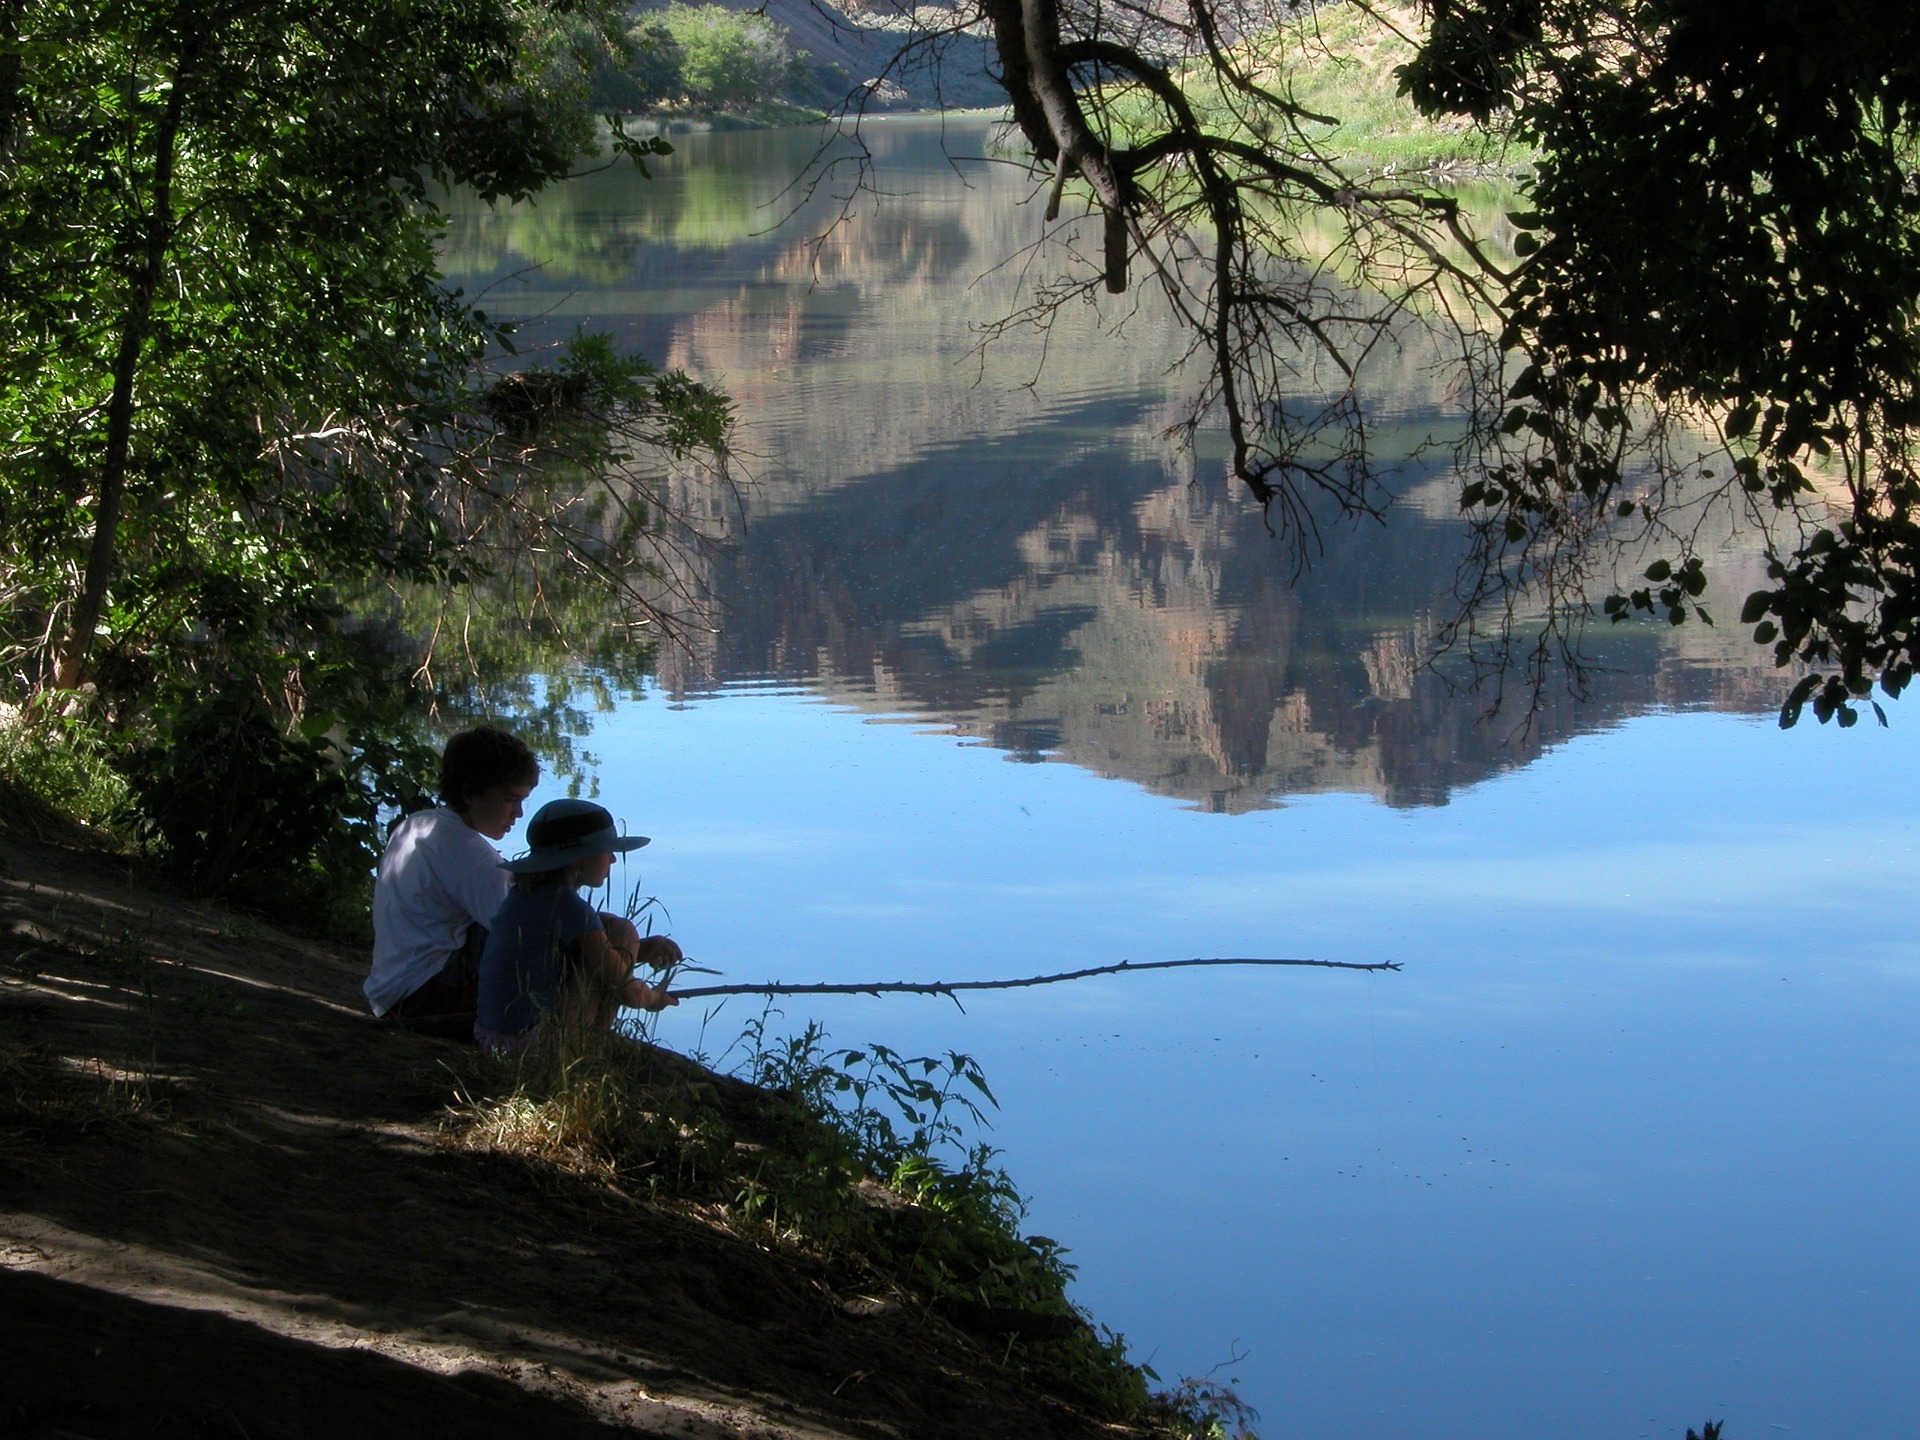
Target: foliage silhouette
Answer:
pixel 237 395
pixel 1712 305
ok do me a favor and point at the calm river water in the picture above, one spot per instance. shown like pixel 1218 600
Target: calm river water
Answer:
pixel 1000 685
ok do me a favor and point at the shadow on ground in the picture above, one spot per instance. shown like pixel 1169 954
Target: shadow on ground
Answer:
pixel 227 1204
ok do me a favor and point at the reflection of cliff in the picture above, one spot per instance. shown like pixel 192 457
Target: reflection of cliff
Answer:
pixel 1024 562
pixel 1096 610
pixel 845 326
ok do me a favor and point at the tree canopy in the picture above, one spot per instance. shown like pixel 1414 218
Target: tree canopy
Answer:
pixel 236 398
pixel 1725 228
pixel 234 391
pixel 1713 300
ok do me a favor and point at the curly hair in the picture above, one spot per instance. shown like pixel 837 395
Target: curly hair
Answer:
pixel 481 758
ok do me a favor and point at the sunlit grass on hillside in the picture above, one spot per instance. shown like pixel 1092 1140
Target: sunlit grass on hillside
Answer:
pixel 1339 61
pixel 59 767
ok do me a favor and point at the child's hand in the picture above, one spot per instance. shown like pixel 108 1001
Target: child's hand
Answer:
pixel 657 952
pixel 642 996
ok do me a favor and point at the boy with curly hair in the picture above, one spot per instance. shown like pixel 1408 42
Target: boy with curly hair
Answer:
pixel 439 883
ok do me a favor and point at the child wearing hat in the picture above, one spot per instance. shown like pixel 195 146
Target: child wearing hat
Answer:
pixel 548 953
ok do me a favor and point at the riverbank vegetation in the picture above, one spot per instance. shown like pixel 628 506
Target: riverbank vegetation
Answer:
pixel 706 60
pixel 1343 62
pixel 1715 294
pixel 1339 66
pixel 865 1161
pixel 819 1241
pixel 258 465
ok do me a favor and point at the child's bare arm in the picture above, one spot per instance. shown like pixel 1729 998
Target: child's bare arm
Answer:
pixel 611 968
pixel 619 931
pixel 656 952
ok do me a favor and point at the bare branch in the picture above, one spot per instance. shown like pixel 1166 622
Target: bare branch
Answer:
pixel 950 987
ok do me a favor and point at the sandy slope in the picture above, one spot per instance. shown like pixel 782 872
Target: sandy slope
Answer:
pixel 228 1208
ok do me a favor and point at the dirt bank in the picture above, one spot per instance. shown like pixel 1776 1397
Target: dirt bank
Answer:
pixel 228 1207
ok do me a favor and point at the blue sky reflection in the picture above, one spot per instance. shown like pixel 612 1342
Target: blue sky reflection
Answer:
pixel 1629 1143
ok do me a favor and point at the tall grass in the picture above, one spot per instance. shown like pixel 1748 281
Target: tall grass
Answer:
pixel 57 765
pixel 1339 61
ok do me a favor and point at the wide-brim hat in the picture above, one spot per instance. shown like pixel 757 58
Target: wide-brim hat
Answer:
pixel 563 831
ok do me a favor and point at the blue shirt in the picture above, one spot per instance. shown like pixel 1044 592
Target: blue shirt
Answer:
pixel 533 943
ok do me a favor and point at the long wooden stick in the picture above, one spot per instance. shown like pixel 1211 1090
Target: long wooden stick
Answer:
pixel 948 987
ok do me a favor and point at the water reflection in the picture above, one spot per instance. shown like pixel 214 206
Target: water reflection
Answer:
pixel 1001 541
pixel 1614 1153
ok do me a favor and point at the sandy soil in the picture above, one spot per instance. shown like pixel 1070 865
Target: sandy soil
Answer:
pixel 228 1208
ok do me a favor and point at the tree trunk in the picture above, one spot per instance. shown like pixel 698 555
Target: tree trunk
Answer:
pixel 134 324
pixel 1027 37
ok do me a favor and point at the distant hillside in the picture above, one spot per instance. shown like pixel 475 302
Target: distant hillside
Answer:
pixel 1335 59
pixel 1339 60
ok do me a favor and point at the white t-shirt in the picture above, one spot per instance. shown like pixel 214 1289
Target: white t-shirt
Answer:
pixel 437 876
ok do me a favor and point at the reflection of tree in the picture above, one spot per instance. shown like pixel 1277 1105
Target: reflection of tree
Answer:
pixel 542 636
pixel 589 230
pixel 613 223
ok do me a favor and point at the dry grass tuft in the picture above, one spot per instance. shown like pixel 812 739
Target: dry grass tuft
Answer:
pixel 594 1104
pixel 48 1099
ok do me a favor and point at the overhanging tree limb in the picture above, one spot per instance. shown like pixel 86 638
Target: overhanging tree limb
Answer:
pixel 1201 165
pixel 950 987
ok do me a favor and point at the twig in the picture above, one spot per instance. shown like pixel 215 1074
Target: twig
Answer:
pixel 948 987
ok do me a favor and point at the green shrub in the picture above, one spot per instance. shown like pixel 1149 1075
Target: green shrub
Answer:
pixel 728 59
pixel 286 818
pixel 61 763
pixel 648 74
